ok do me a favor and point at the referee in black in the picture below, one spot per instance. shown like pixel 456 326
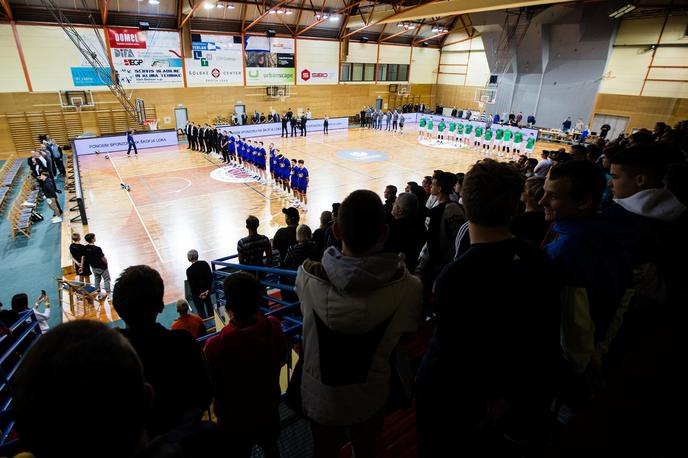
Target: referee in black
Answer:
pixel 285 132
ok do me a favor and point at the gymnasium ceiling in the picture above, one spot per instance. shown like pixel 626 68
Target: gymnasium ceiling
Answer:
pixel 417 22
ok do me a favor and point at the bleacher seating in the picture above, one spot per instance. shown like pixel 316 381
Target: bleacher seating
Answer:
pixel 13 346
pixel 19 215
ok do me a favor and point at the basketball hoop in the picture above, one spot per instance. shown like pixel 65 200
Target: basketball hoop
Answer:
pixel 77 104
pixel 152 124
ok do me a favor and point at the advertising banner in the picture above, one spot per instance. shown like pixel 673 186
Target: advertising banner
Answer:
pixel 318 75
pixel 85 75
pixel 146 58
pixel 269 60
pixel 216 61
pixel 89 76
pixel 275 128
pixel 154 139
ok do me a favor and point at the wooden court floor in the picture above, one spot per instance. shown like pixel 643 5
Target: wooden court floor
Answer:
pixel 174 205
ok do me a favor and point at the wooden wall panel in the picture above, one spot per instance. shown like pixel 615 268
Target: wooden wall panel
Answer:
pixel 203 105
pixel 459 96
pixel 642 111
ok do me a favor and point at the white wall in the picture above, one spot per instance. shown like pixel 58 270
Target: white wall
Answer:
pixel 463 63
pixel 50 54
pixel 11 75
pixel 424 65
pixel 390 54
pixel 362 53
pixel 630 59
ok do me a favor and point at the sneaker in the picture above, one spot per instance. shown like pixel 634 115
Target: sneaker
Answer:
pixel 56 219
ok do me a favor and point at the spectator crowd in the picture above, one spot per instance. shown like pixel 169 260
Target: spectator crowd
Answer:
pixel 554 290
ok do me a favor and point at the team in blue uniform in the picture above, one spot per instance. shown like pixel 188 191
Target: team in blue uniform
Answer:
pixel 288 176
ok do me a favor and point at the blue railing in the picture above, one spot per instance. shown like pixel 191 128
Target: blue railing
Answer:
pixel 13 346
pixel 271 277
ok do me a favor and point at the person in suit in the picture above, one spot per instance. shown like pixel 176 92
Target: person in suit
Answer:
pixel 194 137
pixel 285 132
pixel 304 119
pixel 290 114
pixel 131 142
pixel 276 117
pixel 363 117
pixel 37 164
pixel 270 117
pixel 244 119
pixel 292 122
pixel 262 118
pixel 201 138
pixel 187 131
pixel 55 154
pixel 209 136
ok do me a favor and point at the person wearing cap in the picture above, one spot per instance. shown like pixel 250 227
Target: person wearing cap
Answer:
pixel 286 236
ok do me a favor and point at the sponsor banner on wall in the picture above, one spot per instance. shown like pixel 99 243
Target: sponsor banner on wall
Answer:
pixel 89 76
pixel 269 60
pixel 415 118
pixel 217 61
pixel 145 58
pixel 275 128
pixel 316 75
pixel 110 144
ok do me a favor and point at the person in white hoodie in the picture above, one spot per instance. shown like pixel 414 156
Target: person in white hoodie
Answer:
pixel 357 304
pixel 653 221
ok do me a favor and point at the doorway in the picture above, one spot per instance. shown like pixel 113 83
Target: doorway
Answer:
pixel 618 124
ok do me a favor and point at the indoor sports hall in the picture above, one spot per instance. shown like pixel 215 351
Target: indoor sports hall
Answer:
pixel 338 228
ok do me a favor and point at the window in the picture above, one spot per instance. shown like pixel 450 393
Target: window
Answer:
pixel 392 72
pixel 346 72
pixel 403 73
pixel 357 74
pixel 366 72
pixel 369 74
pixel 382 73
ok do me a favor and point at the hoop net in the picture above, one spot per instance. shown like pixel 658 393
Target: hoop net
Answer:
pixel 77 105
pixel 152 124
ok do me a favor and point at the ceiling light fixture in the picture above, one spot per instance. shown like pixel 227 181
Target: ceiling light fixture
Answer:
pixel 220 5
pixel 230 6
pixel 154 2
pixel 616 14
pixel 334 18
pixel 208 5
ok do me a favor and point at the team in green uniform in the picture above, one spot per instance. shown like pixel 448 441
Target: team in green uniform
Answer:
pixel 488 139
pixel 467 129
pixel 428 131
pixel 506 143
pixel 530 144
pixel 452 132
pixel 478 136
pixel 518 139
pixel 459 134
pixel 499 134
pixel 440 131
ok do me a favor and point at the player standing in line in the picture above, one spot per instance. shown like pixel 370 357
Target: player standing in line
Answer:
pixel 286 174
pixel 232 148
pixel 303 184
pixel 294 183
pixel 468 128
pixel 498 140
pixel 261 163
pixel 240 151
pixel 451 135
pixel 459 134
pixel 273 165
pixel 530 144
pixel 487 142
pixel 401 123
pixel 429 130
pixel 440 131
pixel 248 161
pixel 506 144
pixel 518 140
pixel 421 127
pixel 478 137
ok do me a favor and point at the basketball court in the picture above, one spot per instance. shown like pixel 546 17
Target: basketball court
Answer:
pixel 175 204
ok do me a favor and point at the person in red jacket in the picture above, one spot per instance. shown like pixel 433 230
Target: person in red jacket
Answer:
pixel 245 360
